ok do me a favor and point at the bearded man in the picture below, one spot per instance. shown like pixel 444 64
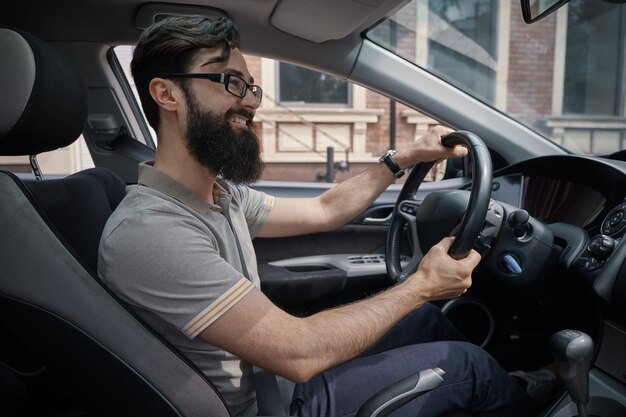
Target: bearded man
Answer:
pixel 178 250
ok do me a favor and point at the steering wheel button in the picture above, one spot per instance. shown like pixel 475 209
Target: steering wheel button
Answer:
pixel 615 221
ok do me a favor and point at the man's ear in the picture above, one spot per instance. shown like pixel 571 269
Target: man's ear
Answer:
pixel 165 94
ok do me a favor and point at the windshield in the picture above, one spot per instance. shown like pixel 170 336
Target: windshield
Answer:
pixel 562 76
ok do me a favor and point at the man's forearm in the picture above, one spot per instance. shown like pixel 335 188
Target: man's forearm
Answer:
pixel 335 336
pixel 348 199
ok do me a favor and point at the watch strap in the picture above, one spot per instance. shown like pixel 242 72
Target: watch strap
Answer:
pixel 391 163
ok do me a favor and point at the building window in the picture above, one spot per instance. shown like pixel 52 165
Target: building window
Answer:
pixel 463 44
pixel 594 69
pixel 299 85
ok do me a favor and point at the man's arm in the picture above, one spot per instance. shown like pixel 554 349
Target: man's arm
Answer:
pixel 300 348
pixel 337 206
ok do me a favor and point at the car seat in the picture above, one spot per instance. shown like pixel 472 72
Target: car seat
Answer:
pixel 107 358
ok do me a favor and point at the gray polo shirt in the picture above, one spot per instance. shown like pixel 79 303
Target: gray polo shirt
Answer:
pixel 173 258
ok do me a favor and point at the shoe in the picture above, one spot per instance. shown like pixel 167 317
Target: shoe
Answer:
pixel 539 385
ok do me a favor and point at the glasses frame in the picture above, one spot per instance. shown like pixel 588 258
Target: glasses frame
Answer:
pixel 223 78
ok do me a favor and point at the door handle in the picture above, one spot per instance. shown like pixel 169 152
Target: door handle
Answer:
pixel 378 220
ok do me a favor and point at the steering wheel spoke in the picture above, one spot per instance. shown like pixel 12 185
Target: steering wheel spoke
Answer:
pixel 408 210
pixel 410 267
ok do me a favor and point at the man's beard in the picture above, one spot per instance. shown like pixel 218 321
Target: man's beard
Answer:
pixel 233 154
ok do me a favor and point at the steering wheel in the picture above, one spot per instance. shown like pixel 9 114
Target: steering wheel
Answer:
pixel 440 210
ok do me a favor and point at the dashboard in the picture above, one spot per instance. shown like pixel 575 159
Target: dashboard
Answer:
pixel 582 200
pixel 551 199
pixel 578 190
pixel 569 201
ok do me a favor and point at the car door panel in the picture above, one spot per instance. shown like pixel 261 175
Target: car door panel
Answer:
pixel 300 272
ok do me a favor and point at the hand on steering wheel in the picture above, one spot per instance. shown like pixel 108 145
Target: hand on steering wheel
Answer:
pixel 410 212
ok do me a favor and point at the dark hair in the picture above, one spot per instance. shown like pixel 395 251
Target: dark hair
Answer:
pixel 170 45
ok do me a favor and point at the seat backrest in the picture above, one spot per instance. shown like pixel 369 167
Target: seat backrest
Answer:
pixel 107 358
pixel 78 207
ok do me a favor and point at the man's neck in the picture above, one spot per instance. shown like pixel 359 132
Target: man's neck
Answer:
pixel 187 171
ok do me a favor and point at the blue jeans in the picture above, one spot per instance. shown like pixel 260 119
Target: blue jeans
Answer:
pixel 474 381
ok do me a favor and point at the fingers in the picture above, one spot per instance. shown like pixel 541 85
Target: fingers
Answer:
pixel 441 130
pixel 434 149
pixel 446 243
pixel 459 151
pixel 473 257
pixel 441 277
pixel 430 148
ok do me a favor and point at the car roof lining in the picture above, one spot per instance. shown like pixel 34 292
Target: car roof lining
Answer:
pixel 279 29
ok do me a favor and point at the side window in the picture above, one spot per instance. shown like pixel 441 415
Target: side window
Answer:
pixel 306 115
pixel 124 55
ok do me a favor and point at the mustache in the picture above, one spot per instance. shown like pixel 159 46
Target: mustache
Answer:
pixel 240 112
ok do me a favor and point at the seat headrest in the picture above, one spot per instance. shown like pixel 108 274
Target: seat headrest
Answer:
pixel 43 100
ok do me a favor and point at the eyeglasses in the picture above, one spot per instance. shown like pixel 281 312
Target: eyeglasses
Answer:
pixel 234 84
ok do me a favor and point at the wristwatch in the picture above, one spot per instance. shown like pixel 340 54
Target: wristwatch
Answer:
pixel 391 163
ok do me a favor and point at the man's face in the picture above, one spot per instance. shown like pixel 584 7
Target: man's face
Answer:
pixel 219 130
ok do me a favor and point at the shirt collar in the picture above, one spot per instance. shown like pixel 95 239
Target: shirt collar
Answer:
pixel 160 181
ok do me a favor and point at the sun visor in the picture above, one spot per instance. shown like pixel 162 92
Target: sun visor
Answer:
pixel 323 20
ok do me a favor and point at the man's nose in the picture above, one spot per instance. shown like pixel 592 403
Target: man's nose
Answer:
pixel 250 100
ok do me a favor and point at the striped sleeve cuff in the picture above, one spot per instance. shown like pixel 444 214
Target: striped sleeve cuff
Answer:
pixel 220 306
pixel 268 200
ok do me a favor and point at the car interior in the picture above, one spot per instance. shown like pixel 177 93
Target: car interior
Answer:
pixel 550 290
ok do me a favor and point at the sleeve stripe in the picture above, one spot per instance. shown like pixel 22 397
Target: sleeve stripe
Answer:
pixel 217 308
pixel 268 200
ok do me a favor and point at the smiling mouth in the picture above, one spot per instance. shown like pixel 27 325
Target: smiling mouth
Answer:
pixel 239 121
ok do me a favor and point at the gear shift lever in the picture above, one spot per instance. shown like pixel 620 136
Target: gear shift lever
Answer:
pixel 573 350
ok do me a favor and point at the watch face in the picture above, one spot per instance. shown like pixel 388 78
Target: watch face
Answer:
pixel 386 155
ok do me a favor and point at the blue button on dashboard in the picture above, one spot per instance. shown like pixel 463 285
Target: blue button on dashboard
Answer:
pixel 512 264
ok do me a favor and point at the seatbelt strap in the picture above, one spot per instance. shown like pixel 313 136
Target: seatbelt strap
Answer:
pixel 244 268
pixel 268 397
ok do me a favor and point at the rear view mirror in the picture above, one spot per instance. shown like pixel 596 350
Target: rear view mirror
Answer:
pixel 533 10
